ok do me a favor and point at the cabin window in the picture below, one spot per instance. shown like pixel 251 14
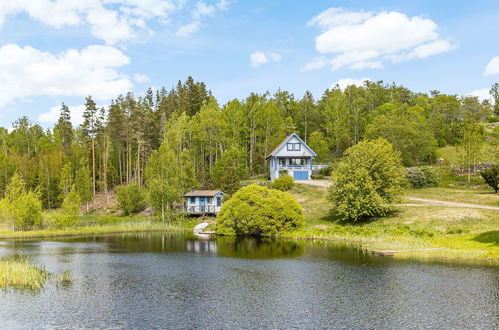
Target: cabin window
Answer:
pixel 219 201
pixel 290 146
pixel 193 200
pixel 297 146
pixel 209 200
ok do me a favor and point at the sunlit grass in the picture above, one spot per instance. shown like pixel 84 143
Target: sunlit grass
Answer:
pixel 95 225
pixel 466 234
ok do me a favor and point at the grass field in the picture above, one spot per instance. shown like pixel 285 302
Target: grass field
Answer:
pixel 467 234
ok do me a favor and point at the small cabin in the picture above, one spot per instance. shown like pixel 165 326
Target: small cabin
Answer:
pixel 199 202
pixel 293 157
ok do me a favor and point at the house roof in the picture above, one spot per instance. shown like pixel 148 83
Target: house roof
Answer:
pixel 286 140
pixel 202 193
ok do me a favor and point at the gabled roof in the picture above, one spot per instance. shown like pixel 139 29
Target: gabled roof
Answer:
pixel 286 140
pixel 202 193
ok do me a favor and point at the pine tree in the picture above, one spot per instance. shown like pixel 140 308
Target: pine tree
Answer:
pixel 64 128
pixel 90 127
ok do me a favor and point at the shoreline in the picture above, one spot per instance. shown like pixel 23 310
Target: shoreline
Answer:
pixel 365 243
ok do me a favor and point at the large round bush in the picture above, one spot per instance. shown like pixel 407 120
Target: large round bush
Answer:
pixel 131 198
pixel 259 211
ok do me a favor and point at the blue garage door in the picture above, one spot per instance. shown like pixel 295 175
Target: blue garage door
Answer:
pixel 300 175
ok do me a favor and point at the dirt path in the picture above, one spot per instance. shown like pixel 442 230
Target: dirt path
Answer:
pixel 446 203
pixel 317 183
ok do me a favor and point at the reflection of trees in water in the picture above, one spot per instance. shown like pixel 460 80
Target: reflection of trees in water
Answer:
pixel 253 248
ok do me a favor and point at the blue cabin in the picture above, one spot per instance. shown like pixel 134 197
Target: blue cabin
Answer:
pixel 292 156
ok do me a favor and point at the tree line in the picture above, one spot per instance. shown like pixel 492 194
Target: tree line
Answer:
pixel 172 140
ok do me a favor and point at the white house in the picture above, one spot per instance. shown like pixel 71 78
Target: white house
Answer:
pixel 203 201
pixel 293 156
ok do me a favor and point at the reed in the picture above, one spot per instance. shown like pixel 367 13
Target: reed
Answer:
pixel 17 272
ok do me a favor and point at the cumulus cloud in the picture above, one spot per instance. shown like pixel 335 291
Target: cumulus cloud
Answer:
pixel 26 71
pixel 257 59
pixel 76 111
pixel 110 20
pixel 492 67
pixel 358 39
pixel 344 83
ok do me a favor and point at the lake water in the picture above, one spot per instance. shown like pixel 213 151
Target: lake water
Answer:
pixel 176 281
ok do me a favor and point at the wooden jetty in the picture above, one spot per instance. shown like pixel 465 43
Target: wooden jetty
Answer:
pixel 390 253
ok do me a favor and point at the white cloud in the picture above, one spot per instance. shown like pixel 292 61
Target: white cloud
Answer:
pixel 187 30
pixel 141 78
pixel 201 9
pixel 26 71
pixel 482 94
pixel 257 59
pixel 492 67
pixel 53 114
pixel 110 20
pixel 358 39
pixel 344 83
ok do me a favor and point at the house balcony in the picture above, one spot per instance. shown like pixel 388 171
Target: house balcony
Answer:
pixel 301 167
pixel 201 209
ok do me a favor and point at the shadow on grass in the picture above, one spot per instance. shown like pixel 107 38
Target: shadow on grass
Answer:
pixel 491 237
pixel 335 219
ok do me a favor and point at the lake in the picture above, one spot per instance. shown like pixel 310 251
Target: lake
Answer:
pixel 176 281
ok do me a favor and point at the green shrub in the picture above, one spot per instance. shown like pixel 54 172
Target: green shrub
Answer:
pixel 317 177
pixel 131 198
pixel 421 177
pixel 326 171
pixel 259 211
pixel 27 211
pixel 70 209
pixel 283 183
pixel 367 179
pixel 491 177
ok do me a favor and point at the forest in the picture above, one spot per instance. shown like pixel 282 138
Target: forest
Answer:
pixel 173 140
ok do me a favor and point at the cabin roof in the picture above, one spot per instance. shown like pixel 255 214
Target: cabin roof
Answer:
pixel 202 193
pixel 286 140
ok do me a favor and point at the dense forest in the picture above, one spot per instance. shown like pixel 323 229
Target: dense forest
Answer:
pixel 183 137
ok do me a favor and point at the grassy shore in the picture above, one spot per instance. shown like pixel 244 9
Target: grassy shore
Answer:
pixel 466 234
pixel 96 225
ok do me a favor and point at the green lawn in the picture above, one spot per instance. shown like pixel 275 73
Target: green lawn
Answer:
pixel 468 235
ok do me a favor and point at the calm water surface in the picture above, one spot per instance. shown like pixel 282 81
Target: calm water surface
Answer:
pixel 175 281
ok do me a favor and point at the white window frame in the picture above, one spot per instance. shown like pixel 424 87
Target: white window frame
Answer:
pixel 297 147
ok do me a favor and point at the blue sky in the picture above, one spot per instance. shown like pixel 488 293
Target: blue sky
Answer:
pixel 54 51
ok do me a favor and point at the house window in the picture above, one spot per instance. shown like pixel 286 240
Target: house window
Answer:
pixel 193 200
pixel 297 161
pixel 290 146
pixel 219 201
pixel 297 146
pixel 282 161
pixel 209 200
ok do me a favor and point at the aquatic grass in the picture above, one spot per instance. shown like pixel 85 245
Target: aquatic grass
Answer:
pixel 17 272
pixel 102 225
pixel 63 279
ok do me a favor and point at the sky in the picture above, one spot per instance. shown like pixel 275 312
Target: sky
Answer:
pixel 54 51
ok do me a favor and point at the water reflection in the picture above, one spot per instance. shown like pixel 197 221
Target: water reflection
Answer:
pixel 179 281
